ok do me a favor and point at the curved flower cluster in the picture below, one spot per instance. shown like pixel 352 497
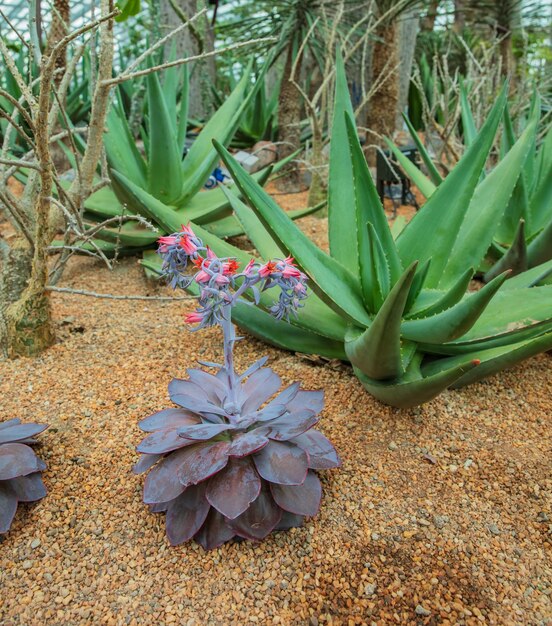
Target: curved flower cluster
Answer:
pixel 222 283
pixel 20 468
pixel 244 468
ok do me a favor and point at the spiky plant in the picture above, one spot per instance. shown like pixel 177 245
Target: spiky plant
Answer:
pixel 401 310
pixel 167 178
pixel 230 461
pixel 522 237
pixel 20 468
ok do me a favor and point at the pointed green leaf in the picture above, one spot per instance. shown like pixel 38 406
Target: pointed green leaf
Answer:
pixel 202 157
pixel 540 249
pixel 183 115
pixel 447 300
pixel 164 166
pixel 432 170
pixel 493 360
pixel 454 322
pixel 368 209
pixel 329 279
pixel 515 258
pixel 468 123
pixel 433 230
pixel 341 201
pixel 406 393
pixel 121 149
pixel 531 277
pixel 425 186
pixel 377 350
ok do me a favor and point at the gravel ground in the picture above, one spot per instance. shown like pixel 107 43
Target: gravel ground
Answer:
pixel 439 515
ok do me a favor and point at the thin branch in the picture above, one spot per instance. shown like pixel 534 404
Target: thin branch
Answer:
pixel 110 296
pixel 16 163
pixel 162 41
pixel 150 70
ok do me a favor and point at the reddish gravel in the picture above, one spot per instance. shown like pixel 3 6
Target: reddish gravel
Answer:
pixel 439 515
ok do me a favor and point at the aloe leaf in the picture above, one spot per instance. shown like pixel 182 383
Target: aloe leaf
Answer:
pixel 252 225
pixel 104 203
pixel 510 310
pixel 493 360
pixel 376 273
pixel 329 278
pixel 447 300
pixel 515 258
pixel 424 184
pixel 398 225
pixel 540 249
pixel 433 172
pixel 183 115
pixel 531 277
pixel 454 322
pixel 433 230
pixel 341 200
pixel 202 157
pixel 417 284
pixel 121 149
pixel 377 350
pixel 474 346
pixel 486 210
pixel 369 210
pixel 129 236
pixel 468 123
pixel 165 158
pixel 541 196
pixel 409 393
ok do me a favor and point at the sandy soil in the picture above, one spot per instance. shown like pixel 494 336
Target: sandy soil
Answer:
pixel 439 515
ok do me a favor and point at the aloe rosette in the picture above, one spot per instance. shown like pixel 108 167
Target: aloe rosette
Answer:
pixel 166 178
pixel 399 307
pixel 237 458
pixel 20 468
pixel 522 237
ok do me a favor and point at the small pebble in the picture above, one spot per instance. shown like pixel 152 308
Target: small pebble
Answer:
pixel 420 610
pixel 370 590
pixel 35 543
pixel 393 446
pixel 440 520
pixel 494 529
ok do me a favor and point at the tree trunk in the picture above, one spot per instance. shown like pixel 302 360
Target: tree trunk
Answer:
pixel 58 29
pixel 289 118
pixel 189 42
pixel 459 16
pixel 408 31
pixel 384 104
pixel 25 321
pixel 428 21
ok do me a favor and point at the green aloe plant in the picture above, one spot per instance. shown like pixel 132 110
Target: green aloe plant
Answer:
pixel 174 181
pixel 523 234
pixel 400 310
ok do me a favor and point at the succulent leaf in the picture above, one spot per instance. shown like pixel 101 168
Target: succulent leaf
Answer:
pixel 20 468
pixel 299 499
pixel 232 490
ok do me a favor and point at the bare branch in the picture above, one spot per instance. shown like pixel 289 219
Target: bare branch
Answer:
pixel 110 296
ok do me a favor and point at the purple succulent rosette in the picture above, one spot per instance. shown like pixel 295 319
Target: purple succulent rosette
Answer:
pixel 20 468
pixel 226 463
pixel 236 459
